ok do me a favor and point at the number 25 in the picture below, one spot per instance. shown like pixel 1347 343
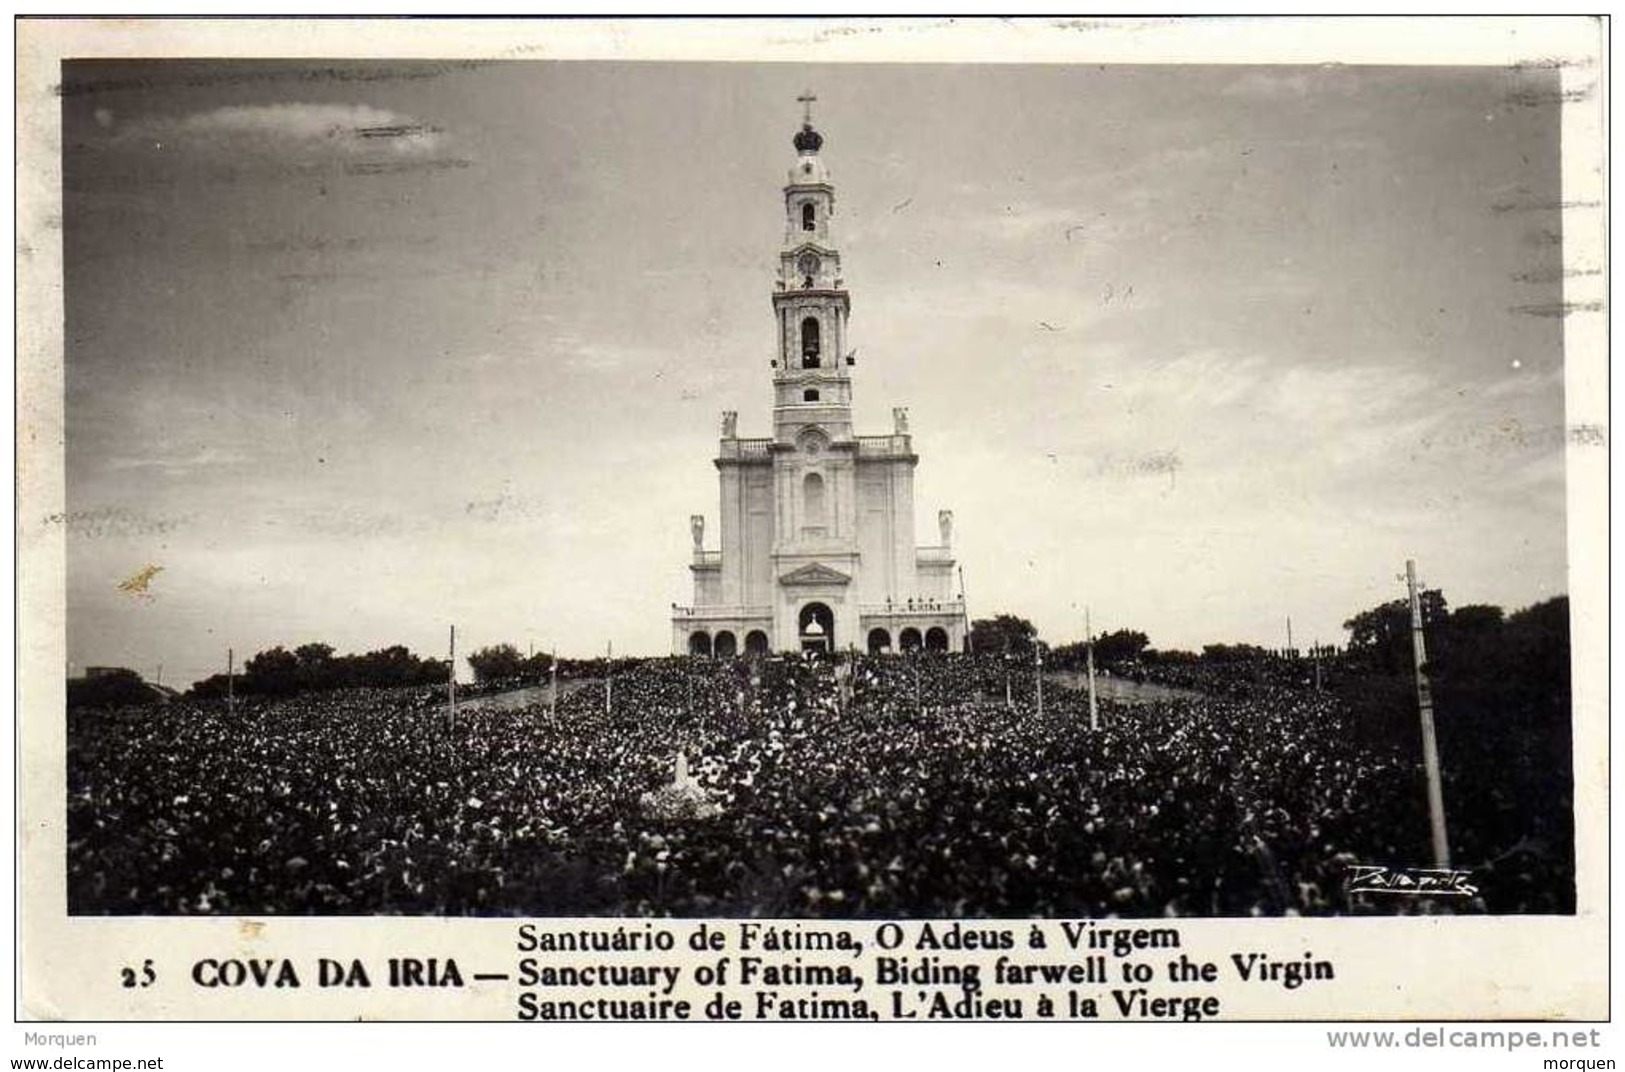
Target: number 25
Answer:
pixel 146 977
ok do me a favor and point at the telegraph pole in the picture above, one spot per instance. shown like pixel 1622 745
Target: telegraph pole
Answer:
pixel 553 684
pixel 843 679
pixel 1289 636
pixel 1038 673
pixel 451 682
pixel 688 683
pixel 231 682
pixel 1094 709
pixel 609 678
pixel 1317 664
pixel 964 612
pixel 1009 700
pixel 1430 745
pixel 919 704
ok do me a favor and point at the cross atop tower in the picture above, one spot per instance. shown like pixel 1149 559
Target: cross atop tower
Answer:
pixel 807 98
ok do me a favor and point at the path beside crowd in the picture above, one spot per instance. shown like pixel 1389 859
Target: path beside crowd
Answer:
pixel 531 696
pixel 1120 689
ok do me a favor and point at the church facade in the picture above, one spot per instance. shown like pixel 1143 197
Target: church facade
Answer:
pixel 816 536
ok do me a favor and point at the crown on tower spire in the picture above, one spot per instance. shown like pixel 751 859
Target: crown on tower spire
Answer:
pixel 807 140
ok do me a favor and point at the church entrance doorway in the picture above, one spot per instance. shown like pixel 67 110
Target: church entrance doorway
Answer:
pixel 817 628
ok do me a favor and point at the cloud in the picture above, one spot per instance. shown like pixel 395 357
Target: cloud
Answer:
pixel 1293 81
pixel 114 521
pixel 1021 223
pixel 175 463
pixel 584 356
pixel 282 129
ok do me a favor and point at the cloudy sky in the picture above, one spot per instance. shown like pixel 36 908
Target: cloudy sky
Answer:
pixel 357 351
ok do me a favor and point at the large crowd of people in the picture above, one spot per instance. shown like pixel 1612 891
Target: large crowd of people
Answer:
pixel 869 786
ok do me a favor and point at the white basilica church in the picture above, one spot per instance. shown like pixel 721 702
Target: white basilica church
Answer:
pixel 817 522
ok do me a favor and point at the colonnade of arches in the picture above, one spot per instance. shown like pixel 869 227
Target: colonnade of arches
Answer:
pixel 816 629
pixel 908 641
pixel 816 625
pixel 725 644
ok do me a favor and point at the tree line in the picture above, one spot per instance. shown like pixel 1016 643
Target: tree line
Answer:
pixel 314 667
pixel 1477 653
pixel 1016 636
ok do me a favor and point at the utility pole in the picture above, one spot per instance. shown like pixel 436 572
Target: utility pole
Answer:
pixel 844 675
pixel 1094 709
pixel 1317 664
pixel 1009 700
pixel 688 684
pixel 553 684
pixel 451 682
pixel 1289 636
pixel 1430 745
pixel 919 704
pixel 964 613
pixel 609 679
pixel 231 682
pixel 1038 673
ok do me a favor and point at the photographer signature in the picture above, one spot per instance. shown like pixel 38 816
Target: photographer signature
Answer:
pixel 1411 881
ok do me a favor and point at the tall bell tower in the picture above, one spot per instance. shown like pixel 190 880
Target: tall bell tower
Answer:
pixel 815 552
pixel 812 385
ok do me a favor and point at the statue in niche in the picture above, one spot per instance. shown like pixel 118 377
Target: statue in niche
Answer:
pixel 730 424
pixel 899 416
pixel 945 525
pixel 696 525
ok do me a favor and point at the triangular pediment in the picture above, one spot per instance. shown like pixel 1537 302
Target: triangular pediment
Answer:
pixel 815 573
pixel 806 247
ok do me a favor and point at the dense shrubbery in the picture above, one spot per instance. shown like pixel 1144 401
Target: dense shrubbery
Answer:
pixel 115 688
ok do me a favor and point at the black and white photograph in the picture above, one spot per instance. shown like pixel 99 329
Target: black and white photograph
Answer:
pixel 820 491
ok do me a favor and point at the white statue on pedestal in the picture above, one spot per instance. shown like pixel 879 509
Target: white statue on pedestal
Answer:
pixel 681 798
